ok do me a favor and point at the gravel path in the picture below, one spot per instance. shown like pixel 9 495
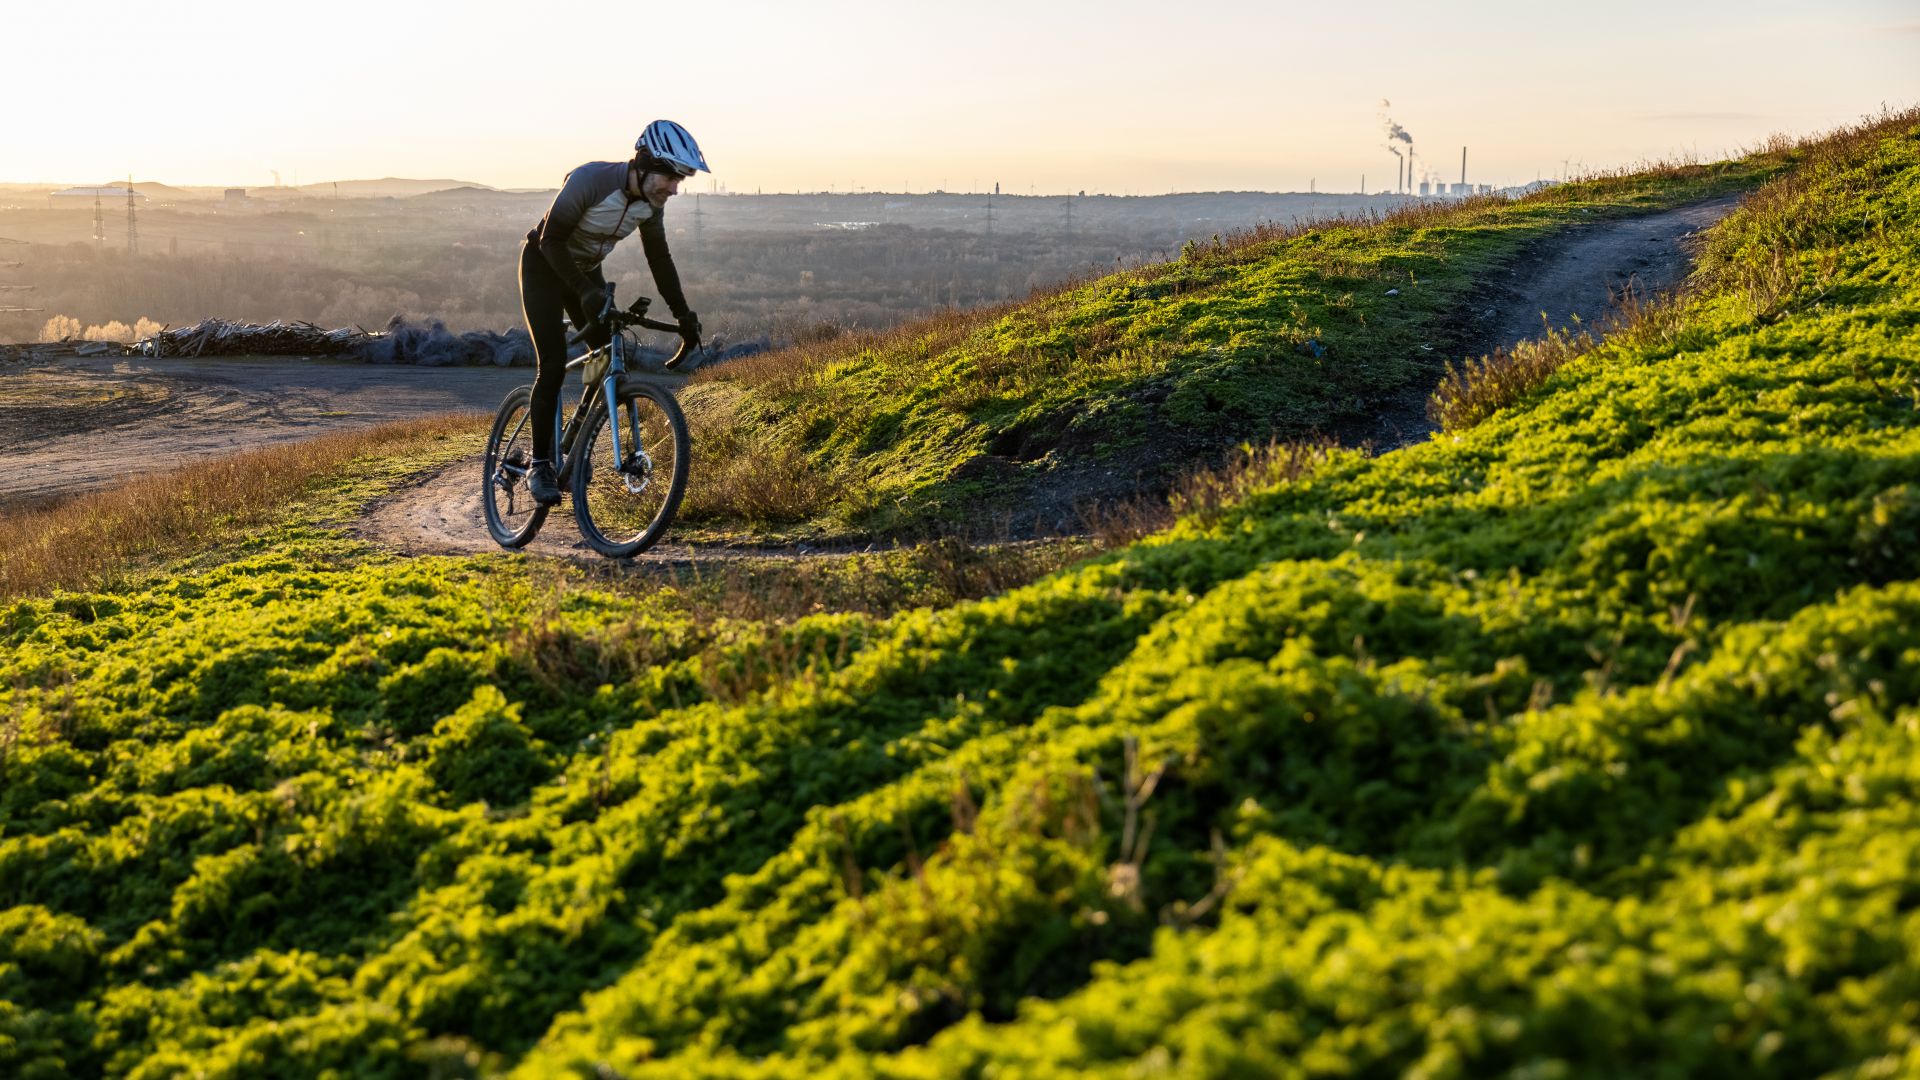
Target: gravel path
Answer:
pixel 1580 275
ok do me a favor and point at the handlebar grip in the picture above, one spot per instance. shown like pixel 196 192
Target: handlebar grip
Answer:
pixel 605 315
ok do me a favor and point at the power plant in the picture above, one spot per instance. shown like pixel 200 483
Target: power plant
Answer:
pixel 1425 187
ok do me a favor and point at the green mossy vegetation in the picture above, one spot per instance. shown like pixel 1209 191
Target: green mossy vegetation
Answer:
pixel 1585 741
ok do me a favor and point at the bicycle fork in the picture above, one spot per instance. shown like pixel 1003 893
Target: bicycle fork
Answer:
pixel 613 422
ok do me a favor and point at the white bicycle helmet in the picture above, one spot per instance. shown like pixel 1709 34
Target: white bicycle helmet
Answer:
pixel 672 145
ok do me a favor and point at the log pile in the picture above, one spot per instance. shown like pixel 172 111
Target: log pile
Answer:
pixel 218 337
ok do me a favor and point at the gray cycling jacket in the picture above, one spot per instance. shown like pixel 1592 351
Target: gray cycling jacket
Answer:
pixel 591 214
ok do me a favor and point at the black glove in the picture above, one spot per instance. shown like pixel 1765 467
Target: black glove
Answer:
pixel 690 327
pixel 593 304
pixel 595 332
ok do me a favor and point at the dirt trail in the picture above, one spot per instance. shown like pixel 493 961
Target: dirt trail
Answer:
pixel 1580 275
pixel 440 514
pixel 1572 278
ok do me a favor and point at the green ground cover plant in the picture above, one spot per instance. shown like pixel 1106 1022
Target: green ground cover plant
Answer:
pixel 1579 741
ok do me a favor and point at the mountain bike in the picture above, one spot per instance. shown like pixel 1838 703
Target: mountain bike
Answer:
pixel 623 456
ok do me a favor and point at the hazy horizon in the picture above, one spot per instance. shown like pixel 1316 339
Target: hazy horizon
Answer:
pixel 1125 98
pixel 316 188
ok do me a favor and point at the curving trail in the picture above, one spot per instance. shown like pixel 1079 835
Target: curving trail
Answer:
pixel 1576 277
pixel 439 513
pixel 1573 279
pixel 87 423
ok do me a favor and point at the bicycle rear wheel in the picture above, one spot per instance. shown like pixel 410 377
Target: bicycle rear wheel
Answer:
pixel 513 517
pixel 624 504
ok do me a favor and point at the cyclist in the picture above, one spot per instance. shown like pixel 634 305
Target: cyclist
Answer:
pixel 600 204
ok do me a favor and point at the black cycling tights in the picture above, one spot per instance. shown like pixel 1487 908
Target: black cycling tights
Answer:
pixel 543 300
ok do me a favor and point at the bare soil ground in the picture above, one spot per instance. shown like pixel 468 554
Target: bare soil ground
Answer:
pixel 439 513
pixel 84 423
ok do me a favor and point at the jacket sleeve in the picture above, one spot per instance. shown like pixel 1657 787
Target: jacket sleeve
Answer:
pixel 653 239
pixel 562 217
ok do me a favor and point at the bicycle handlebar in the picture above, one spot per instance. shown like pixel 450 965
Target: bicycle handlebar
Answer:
pixel 616 320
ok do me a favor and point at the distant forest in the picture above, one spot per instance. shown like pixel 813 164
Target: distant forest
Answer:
pixel 777 267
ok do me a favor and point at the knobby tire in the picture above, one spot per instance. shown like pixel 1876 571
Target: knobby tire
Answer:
pixel 622 514
pixel 513 517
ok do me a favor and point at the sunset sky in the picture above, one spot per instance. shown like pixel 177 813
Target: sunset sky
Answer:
pixel 1118 97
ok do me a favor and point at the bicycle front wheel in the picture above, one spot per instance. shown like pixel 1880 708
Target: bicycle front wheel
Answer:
pixel 625 501
pixel 513 517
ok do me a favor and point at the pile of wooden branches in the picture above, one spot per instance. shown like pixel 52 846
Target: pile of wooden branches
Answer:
pixel 46 351
pixel 218 337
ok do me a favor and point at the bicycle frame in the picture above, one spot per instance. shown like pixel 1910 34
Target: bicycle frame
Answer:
pixel 607 389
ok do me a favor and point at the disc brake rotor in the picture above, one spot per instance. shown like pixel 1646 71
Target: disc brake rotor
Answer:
pixel 637 473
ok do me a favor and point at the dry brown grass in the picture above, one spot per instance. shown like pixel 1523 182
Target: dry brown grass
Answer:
pixel 1204 494
pixel 1763 265
pixel 95 537
pixel 936 573
pixel 775 593
pixel 1476 389
pixel 758 599
pixel 742 474
pixel 797 366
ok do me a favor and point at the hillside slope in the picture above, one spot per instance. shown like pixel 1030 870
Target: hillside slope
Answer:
pixel 1579 741
pixel 1121 383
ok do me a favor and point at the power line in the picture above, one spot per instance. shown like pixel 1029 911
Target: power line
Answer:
pixel 11 309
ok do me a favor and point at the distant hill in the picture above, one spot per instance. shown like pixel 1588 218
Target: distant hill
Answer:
pixel 471 194
pixel 388 187
pixel 159 192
